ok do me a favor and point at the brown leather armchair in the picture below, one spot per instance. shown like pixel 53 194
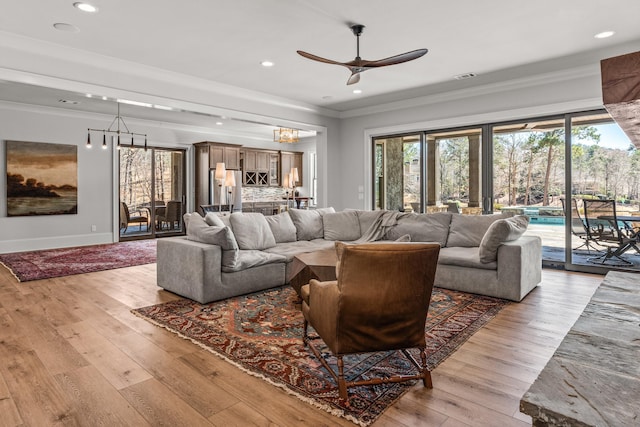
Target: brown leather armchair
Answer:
pixel 379 302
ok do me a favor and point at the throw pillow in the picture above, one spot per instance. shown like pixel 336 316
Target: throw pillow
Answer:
pixel 341 226
pixel 252 231
pixel 468 230
pixel 282 227
pixel 502 230
pixel 309 222
pixel 212 218
pixel 199 231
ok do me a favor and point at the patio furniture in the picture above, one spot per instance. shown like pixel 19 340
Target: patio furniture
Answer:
pixel 379 302
pixel 579 227
pixel 140 217
pixel 604 224
pixel 171 215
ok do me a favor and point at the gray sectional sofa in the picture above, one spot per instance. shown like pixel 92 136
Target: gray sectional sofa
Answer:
pixel 221 257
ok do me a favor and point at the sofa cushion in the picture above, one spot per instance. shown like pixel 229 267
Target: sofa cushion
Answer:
pixel 253 258
pixel 341 226
pixel 464 257
pixel 282 227
pixel 422 227
pixel 366 219
pixel 309 222
pixel 502 230
pixel 468 230
pixel 252 231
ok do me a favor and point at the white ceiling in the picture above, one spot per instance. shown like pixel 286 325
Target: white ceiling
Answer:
pixel 225 40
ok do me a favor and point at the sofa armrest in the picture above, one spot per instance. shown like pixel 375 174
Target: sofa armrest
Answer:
pixel 187 268
pixel 520 261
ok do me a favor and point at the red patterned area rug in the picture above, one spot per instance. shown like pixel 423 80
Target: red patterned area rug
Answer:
pixel 261 333
pixel 45 264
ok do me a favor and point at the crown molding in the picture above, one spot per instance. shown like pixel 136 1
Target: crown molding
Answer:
pixel 490 88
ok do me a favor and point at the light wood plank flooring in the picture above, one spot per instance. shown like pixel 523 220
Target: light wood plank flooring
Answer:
pixel 71 353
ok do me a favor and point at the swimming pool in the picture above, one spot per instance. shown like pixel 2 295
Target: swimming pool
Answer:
pixel 549 215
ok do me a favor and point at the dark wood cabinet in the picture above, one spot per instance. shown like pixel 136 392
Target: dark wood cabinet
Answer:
pixel 229 155
pixel 258 166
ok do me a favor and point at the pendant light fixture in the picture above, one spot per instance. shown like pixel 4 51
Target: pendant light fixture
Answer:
pixel 114 128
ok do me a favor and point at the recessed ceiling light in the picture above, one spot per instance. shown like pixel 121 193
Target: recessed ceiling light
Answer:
pixel 89 95
pixel 267 64
pixel 604 34
pixel 357 91
pixel 66 27
pixel 219 123
pixel 85 7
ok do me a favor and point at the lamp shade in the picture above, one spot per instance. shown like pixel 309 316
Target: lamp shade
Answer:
pixel 294 174
pixel 286 184
pixel 230 180
pixel 220 171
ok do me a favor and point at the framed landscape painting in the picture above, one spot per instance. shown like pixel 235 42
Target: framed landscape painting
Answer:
pixel 42 178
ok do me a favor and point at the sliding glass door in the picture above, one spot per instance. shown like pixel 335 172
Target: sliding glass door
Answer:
pixel 543 167
pixel 398 173
pixel 152 192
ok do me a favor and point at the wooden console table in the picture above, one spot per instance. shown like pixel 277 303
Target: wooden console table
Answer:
pixel 593 379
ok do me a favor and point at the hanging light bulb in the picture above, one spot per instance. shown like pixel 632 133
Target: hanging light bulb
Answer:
pixel 88 138
pixel 104 141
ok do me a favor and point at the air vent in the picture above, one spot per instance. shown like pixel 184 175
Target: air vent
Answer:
pixel 464 76
pixel 67 101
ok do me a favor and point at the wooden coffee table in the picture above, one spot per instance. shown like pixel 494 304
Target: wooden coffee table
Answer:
pixel 319 265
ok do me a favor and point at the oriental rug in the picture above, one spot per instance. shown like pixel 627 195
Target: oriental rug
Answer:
pixel 45 264
pixel 261 333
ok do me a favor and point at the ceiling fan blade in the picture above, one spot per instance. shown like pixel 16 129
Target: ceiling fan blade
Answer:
pixel 319 58
pixel 397 59
pixel 353 79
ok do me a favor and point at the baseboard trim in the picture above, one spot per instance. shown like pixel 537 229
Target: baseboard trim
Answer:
pixel 22 245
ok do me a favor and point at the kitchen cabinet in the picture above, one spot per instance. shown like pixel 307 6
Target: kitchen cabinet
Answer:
pixel 229 155
pixel 257 167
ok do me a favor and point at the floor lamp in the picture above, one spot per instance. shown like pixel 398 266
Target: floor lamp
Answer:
pixel 220 176
pixel 229 183
pixel 294 178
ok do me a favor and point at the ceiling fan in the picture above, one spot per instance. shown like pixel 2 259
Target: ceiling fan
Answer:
pixel 359 65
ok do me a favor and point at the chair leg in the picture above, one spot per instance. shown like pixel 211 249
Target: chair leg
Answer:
pixel 426 379
pixel 342 384
pixel 305 327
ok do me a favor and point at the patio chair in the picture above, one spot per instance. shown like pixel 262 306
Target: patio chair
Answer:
pixel 603 224
pixel 140 217
pixel 579 227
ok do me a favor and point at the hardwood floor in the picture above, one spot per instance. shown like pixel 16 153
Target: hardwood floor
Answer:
pixel 71 353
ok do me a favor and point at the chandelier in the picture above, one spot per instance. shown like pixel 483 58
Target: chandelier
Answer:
pixel 114 128
pixel 285 135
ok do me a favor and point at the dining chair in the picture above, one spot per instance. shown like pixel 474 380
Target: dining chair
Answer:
pixel 379 302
